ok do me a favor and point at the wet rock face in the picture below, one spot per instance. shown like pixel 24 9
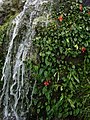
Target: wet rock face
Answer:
pixel 1 19
pixel 86 2
pixel 10 7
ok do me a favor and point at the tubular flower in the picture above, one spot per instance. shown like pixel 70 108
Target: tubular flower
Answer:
pixel 46 83
pixel 83 49
pixel 81 7
pixel 60 18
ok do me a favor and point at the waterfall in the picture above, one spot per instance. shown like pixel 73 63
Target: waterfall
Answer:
pixel 15 85
pixel 1 1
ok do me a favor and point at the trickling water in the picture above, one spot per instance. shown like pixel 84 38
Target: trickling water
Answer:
pixel 16 87
pixel 1 1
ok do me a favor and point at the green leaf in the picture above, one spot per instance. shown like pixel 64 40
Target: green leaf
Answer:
pixel 46 74
pixel 44 90
pixel 47 108
pixel 76 78
pixel 77 111
pixel 38 110
pixel 41 70
pixel 71 102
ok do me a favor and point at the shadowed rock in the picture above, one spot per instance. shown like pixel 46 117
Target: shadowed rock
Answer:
pixel 86 2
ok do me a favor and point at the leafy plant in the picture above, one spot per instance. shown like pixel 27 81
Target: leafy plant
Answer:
pixel 62 67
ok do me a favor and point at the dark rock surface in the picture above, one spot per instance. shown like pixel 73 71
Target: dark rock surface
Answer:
pixel 10 7
pixel 86 2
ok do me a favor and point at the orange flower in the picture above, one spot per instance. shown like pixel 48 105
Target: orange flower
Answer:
pixel 83 49
pixel 81 7
pixel 46 83
pixel 60 18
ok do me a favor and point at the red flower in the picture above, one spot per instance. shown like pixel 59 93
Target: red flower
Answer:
pixel 81 7
pixel 83 49
pixel 46 83
pixel 60 18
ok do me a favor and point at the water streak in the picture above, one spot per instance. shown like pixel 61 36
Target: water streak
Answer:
pixel 16 86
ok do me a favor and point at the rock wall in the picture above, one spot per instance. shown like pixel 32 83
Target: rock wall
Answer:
pixel 10 7
pixel 86 2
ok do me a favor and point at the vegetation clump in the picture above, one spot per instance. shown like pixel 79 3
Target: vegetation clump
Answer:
pixel 62 65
